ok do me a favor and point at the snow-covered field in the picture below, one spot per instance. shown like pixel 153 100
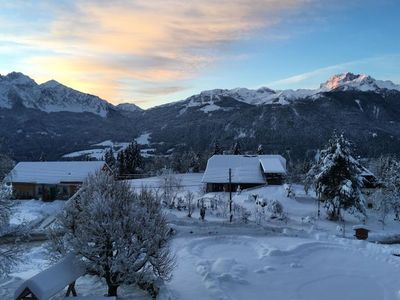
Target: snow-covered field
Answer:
pixel 99 153
pixel 301 257
pixel 254 267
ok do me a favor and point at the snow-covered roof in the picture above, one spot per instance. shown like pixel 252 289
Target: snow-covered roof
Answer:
pixel 54 279
pixel 244 168
pixel 273 164
pixel 54 172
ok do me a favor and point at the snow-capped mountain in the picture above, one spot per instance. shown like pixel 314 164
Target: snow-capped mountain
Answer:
pixel 368 110
pixel 128 107
pixel 358 82
pixel 213 100
pixel 51 96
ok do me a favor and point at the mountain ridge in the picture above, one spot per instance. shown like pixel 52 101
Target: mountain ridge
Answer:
pixel 52 96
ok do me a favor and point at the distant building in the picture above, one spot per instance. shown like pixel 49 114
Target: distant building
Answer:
pixel 246 171
pixel 51 179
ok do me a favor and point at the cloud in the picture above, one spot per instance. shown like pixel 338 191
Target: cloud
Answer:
pixel 97 46
pixel 311 79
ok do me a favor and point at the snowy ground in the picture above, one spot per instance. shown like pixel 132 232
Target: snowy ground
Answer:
pixel 302 258
pixel 27 211
pixel 248 267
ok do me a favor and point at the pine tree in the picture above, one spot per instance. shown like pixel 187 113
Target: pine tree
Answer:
pixel 121 163
pixel 110 159
pixel 336 178
pixel 389 175
pixel 217 148
pixel 260 149
pixel 236 149
pixel 133 159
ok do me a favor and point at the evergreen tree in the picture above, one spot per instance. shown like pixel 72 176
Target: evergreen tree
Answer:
pixel 217 148
pixel 110 159
pixel 236 149
pixel 133 159
pixel 260 149
pixel 42 157
pixel 121 164
pixel 336 178
pixel 389 175
pixel 195 164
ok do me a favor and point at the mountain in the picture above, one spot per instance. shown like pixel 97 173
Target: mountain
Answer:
pixel 128 107
pixel 212 100
pixel 19 89
pixel 53 119
pixel 357 82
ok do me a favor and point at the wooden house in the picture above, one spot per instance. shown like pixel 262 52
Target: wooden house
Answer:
pixel 244 171
pixel 51 179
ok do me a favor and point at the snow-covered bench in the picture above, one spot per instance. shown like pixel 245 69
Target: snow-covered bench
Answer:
pixel 49 282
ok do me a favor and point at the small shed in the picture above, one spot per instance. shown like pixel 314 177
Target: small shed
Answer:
pixel 49 282
pixel 361 232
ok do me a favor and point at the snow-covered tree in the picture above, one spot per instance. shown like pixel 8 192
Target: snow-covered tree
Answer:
pixel 171 186
pixel 110 159
pixel 133 158
pixel 217 148
pixel 121 164
pixel 260 149
pixel 389 193
pixel 190 203
pixel 9 252
pixel 275 208
pixel 336 178
pixel 6 165
pixel 236 150
pixel 121 235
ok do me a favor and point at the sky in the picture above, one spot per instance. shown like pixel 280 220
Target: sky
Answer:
pixel 154 52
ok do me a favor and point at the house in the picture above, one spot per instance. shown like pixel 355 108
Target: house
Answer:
pixel 245 171
pixel 51 179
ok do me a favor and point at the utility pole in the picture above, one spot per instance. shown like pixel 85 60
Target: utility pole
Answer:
pixel 230 195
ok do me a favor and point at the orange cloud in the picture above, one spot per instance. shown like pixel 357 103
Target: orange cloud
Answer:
pixel 97 46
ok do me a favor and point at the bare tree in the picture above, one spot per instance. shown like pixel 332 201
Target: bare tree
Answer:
pixel 122 236
pixel 190 203
pixel 171 187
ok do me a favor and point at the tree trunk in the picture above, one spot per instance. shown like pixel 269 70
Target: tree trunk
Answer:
pixel 112 290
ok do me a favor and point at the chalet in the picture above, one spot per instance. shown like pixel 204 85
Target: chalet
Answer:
pixel 243 171
pixel 51 179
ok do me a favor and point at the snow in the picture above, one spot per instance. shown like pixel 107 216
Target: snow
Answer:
pixel 128 107
pixel 50 96
pixel 273 164
pixel 359 105
pixel 189 182
pixel 302 258
pixel 143 139
pixel 361 82
pixel 35 259
pixel 210 107
pixel 92 153
pixel 54 172
pixel 54 279
pixel 26 211
pixel 253 267
pixel 244 168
